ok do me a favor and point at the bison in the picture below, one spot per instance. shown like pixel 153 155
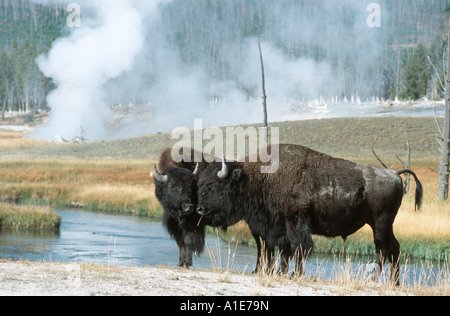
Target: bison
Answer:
pixel 176 191
pixel 311 193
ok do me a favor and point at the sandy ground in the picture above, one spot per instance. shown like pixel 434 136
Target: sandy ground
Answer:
pixel 55 279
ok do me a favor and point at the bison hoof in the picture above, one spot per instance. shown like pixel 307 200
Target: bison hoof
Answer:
pixel 183 266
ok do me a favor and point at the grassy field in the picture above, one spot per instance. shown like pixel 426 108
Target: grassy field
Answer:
pixel 347 138
pixel 122 187
pixel 114 176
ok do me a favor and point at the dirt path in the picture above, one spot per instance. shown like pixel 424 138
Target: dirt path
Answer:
pixel 27 278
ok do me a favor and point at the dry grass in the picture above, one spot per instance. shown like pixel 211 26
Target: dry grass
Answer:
pixel 96 185
pixel 132 199
pixel 433 221
pixel 11 141
pixel 28 218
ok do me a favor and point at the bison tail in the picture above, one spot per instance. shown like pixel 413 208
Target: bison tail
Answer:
pixel 419 188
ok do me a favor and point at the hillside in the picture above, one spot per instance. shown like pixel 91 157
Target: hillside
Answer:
pixel 344 137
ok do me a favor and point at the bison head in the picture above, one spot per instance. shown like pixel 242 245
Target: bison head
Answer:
pixel 218 188
pixel 176 190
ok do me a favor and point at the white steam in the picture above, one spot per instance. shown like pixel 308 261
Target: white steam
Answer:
pixel 127 52
pixel 81 64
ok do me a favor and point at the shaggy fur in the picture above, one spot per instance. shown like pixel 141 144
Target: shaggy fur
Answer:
pixel 312 193
pixel 178 198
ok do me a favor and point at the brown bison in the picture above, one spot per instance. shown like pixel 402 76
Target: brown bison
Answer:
pixel 176 191
pixel 311 193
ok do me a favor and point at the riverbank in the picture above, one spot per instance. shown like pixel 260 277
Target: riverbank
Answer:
pixel 57 279
pixel 28 218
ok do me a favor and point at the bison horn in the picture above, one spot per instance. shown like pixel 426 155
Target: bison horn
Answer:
pixel 224 172
pixel 195 173
pixel 158 176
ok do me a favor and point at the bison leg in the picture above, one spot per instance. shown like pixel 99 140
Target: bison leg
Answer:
pixel 188 258
pixel 394 257
pixel 194 241
pixel 301 243
pixel 185 260
pixel 260 255
pixel 378 264
pixel 265 260
pixel 387 247
pixel 181 260
pixel 285 255
pixel 270 258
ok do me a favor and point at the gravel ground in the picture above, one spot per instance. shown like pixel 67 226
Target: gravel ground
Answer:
pixel 56 279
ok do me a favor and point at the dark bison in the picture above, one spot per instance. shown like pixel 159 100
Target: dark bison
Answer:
pixel 311 193
pixel 176 191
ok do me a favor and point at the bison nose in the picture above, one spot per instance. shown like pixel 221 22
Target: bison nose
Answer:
pixel 201 210
pixel 187 208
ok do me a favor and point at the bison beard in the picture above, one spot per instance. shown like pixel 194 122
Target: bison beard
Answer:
pixel 312 193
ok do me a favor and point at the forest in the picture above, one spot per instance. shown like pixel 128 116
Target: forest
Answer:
pixel 388 62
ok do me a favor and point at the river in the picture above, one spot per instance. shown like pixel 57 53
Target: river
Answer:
pixel 136 241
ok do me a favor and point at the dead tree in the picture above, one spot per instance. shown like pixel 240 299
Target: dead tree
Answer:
pixel 408 162
pixel 264 97
pixel 444 165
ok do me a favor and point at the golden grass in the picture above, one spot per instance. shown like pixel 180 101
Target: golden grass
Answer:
pixel 132 199
pixel 96 185
pixel 11 140
pixel 28 218
pixel 433 221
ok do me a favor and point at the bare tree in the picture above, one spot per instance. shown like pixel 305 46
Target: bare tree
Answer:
pixel 445 146
pixel 264 96
pixel 408 162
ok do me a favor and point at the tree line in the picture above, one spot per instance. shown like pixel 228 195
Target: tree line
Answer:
pixel 27 30
pixel 23 87
pixel 390 62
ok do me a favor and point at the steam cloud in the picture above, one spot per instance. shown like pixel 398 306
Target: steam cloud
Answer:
pixel 121 55
pixel 84 62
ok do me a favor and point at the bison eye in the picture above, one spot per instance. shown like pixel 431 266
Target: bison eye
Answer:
pixel 212 185
pixel 175 188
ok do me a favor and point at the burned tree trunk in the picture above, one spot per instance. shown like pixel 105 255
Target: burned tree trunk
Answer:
pixel 264 96
pixel 445 147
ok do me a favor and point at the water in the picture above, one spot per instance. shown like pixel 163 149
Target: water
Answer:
pixel 304 111
pixel 135 241
pixel 110 239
